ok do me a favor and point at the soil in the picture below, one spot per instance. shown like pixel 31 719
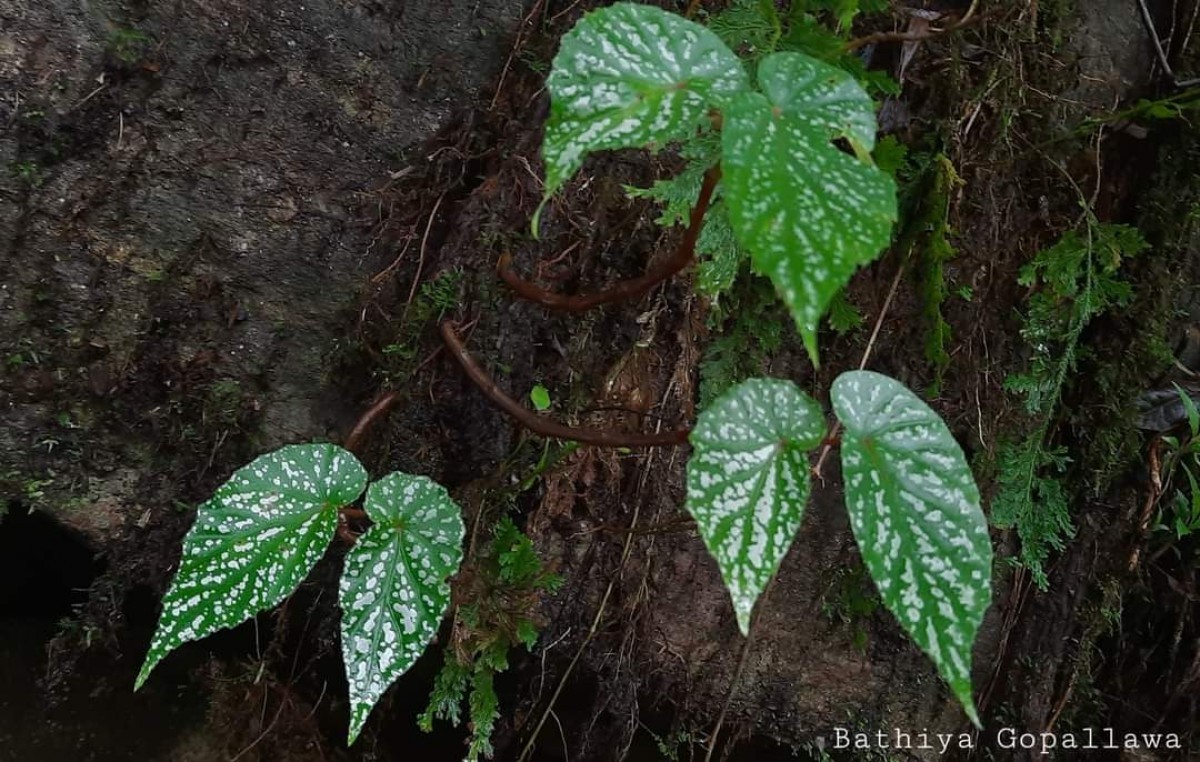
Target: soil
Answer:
pixel 215 224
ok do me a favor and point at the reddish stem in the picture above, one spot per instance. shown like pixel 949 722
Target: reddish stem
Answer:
pixel 629 289
pixel 353 443
pixel 544 426
pixel 381 405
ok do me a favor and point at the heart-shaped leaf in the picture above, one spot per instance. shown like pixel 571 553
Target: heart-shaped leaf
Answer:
pixel 809 213
pixel 914 508
pixel 630 75
pixel 747 481
pixel 395 589
pixel 255 541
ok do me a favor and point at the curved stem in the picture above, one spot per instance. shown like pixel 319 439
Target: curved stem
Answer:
pixel 544 426
pixel 683 256
pixel 381 405
pixel 353 443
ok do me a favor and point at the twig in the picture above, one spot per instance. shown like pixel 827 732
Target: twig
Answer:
pixel 1153 494
pixel 385 272
pixel 1061 704
pixel 412 290
pixel 544 426
pixel 91 95
pixel 512 52
pixel 629 289
pixel 832 438
pixel 925 34
pixel 283 702
pixel 741 667
pixel 1148 20
pixel 887 303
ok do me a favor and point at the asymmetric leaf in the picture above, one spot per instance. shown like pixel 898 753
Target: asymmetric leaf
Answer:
pixel 255 541
pixel 809 213
pixel 747 481
pixel 394 589
pixel 914 508
pixel 629 75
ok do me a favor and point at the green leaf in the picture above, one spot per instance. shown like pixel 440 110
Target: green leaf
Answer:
pixel 843 315
pixel 846 10
pixel 540 397
pixel 1189 407
pixel 629 75
pixel 809 213
pixel 914 508
pixel 719 258
pixel 394 589
pixel 1030 498
pixel 254 541
pixel 747 481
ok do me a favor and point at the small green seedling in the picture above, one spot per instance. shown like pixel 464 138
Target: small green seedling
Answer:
pixel 540 397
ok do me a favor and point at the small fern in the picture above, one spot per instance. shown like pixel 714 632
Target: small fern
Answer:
pixel 502 593
pixel 755 28
pixel 753 330
pixel 1077 280
pixel 843 316
pixel 719 257
pixel 1031 498
pixel 752 28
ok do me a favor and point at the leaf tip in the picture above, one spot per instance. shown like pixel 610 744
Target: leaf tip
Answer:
pixel 144 674
pixel 743 620
pixel 968 705
pixel 358 718
pixel 809 335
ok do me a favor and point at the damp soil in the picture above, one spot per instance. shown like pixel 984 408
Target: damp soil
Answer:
pixel 217 220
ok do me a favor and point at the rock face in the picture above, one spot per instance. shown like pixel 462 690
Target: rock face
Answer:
pixel 186 218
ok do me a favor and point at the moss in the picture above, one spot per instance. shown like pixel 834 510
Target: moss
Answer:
pixel 1138 347
pixel 927 236
pixel 851 600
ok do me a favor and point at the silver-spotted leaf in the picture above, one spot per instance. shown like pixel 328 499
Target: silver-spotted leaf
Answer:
pixel 395 589
pixel 747 481
pixel 255 541
pixel 809 213
pixel 914 508
pixel 630 75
